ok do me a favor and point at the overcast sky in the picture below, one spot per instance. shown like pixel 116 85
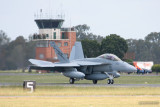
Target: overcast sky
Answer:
pixel 127 18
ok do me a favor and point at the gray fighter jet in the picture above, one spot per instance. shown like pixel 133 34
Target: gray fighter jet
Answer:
pixel 77 67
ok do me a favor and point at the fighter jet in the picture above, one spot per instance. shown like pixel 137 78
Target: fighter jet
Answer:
pixel 78 68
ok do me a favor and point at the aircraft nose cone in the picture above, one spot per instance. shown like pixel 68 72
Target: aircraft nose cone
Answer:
pixel 133 69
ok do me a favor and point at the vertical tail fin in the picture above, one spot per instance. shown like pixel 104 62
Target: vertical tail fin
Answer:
pixel 77 51
pixel 61 56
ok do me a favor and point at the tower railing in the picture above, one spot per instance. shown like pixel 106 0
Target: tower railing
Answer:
pixel 35 37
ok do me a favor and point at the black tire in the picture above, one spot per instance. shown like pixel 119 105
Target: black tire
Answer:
pixel 112 81
pixel 94 81
pixel 71 80
pixel 109 81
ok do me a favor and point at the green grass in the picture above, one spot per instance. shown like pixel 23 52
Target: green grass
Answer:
pixel 78 91
pixel 138 80
pixel 59 78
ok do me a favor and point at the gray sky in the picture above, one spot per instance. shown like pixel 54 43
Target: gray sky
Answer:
pixel 127 18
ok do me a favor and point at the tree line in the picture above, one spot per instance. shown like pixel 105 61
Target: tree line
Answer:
pixel 147 49
pixel 15 54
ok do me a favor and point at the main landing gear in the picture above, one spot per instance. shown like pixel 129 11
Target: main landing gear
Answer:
pixel 71 80
pixel 94 81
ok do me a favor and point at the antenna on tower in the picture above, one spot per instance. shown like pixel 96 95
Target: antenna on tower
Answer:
pixel 61 5
pixel 41 14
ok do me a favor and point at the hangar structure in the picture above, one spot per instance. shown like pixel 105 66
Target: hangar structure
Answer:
pixel 51 30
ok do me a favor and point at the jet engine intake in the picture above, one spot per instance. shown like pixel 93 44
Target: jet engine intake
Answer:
pixel 74 74
pixel 96 76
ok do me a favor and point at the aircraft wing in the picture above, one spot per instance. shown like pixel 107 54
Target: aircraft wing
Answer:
pixel 41 63
pixel 70 64
pixel 89 63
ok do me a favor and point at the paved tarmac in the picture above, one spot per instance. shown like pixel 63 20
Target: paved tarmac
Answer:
pixel 84 85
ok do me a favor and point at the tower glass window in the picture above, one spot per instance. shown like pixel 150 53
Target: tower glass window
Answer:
pixel 63 35
pixel 42 44
pixel 47 35
pixel 54 34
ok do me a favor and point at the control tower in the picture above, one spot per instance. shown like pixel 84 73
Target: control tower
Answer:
pixel 51 30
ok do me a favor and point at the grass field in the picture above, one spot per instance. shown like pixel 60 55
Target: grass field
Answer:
pixel 80 97
pixel 78 91
pixel 59 78
pixel 128 101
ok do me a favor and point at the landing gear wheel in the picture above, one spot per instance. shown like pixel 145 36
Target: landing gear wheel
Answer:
pixel 71 80
pixel 109 81
pixel 112 81
pixel 94 81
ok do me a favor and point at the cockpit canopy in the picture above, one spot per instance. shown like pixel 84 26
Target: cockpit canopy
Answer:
pixel 110 57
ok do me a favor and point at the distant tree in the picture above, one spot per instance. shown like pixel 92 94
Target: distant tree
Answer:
pixel 130 61
pixel 82 32
pixel 4 42
pixel 4 39
pixel 18 56
pixel 140 48
pixel 153 37
pixel 91 36
pixel 114 44
pixel 30 51
pixel 147 49
pixel 91 48
pixel 156 68
pixel 153 42
pixel 15 54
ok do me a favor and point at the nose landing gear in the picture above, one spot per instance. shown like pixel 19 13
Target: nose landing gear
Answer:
pixel 110 81
pixel 94 81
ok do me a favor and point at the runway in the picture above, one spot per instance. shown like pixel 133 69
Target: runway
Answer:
pixel 84 85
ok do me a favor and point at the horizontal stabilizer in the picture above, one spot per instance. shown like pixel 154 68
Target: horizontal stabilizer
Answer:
pixel 41 63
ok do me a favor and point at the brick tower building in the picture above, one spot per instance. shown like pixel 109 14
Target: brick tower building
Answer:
pixel 51 30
